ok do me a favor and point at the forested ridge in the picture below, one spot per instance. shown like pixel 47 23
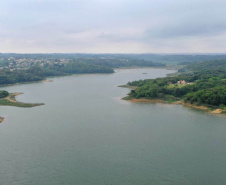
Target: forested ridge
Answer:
pixel 203 83
pixel 37 73
pixel 39 70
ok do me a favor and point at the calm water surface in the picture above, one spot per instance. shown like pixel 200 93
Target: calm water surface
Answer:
pixel 86 135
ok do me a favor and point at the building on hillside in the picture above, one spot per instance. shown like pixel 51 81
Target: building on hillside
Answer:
pixel 181 82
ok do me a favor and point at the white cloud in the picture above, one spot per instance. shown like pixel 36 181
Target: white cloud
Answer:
pixel 112 26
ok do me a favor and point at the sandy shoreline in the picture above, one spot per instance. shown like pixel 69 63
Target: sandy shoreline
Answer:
pixel 1 119
pixel 46 81
pixel 11 97
pixel 147 100
pixel 216 111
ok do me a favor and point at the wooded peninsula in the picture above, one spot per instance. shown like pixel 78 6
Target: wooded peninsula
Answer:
pixel 199 84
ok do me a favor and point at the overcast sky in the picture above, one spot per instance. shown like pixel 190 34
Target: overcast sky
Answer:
pixel 113 26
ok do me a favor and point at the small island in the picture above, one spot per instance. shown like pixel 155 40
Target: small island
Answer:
pixel 200 85
pixel 8 99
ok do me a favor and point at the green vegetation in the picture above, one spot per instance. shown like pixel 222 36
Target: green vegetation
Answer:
pixel 38 73
pixel 202 83
pixel 204 66
pixel 122 62
pixel 6 102
pixel 3 94
pixel 181 59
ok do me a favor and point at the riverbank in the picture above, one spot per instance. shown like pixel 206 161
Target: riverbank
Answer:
pixel 128 86
pixel 201 107
pixel 11 101
pixel 28 82
pixel 180 102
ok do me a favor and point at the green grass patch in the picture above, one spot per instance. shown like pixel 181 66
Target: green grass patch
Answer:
pixel 170 100
pixel 5 102
pixel 127 98
pixel 128 86
pixel 176 86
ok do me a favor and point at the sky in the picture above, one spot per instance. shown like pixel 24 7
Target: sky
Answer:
pixel 113 26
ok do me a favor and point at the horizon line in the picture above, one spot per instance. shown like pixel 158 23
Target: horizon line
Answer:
pixel 198 53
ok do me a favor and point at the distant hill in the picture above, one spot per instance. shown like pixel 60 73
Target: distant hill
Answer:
pixel 204 66
pixel 162 58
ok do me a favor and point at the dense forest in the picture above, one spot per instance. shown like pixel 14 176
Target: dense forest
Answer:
pixel 179 58
pixel 120 62
pixel 201 83
pixel 38 73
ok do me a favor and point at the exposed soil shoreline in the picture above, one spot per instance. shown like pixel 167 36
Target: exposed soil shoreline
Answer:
pixel 181 102
pixel 1 119
pixel 28 82
pixel 12 96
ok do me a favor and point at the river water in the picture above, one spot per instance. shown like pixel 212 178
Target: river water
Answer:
pixel 86 135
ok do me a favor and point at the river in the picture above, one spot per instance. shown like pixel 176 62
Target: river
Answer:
pixel 86 135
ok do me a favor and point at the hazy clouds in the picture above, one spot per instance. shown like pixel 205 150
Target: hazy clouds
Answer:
pixel 119 26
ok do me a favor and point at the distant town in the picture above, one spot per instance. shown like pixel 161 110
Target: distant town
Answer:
pixel 12 63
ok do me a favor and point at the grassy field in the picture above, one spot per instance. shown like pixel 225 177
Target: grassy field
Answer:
pixel 176 85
